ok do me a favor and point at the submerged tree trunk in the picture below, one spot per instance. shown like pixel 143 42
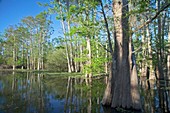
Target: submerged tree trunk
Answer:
pixel 121 89
pixel 107 98
pixel 136 104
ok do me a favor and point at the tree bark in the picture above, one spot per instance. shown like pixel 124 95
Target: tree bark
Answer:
pixel 106 63
pixel 42 52
pixel 168 56
pixel 151 70
pixel 144 62
pixel 159 57
pixel 121 93
pixel 65 38
pixel 107 98
pixel 89 61
pixel 27 58
pixel 22 56
pixel 39 52
pixel 81 56
pixel 13 67
pixel 14 54
pixel 31 53
pixel 71 49
pixel 125 92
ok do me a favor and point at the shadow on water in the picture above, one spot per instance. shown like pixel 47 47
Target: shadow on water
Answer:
pixel 38 93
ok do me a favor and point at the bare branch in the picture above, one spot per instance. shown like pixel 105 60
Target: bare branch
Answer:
pixel 104 47
pixel 107 28
pixel 153 18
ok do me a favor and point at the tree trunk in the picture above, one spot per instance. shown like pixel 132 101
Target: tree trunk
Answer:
pixel 109 40
pixel 13 67
pixel 31 53
pixel 42 53
pixel 106 63
pixel 65 38
pixel 77 64
pixel 162 38
pixel 151 70
pixel 133 79
pixel 121 89
pixel 22 56
pixel 34 62
pixel 71 49
pixel 143 62
pixel 125 92
pixel 27 59
pixel 89 56
pixel 39 52
pixel 107 98
pixel 168 56
pixel 14 55
pixel 81 55
pixel 160 59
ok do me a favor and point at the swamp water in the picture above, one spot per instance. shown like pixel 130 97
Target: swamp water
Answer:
pixel 40 93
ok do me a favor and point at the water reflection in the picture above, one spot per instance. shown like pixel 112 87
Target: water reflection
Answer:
pixel 22 93
pixel 84 96
pixel 38 93
pixel 155 96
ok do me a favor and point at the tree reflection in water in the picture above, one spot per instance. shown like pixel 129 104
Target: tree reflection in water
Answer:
pixel 156 95
pixel 38 93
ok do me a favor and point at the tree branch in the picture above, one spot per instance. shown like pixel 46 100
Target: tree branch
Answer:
pixel 104 48
pixel 107 27
pixel 153 18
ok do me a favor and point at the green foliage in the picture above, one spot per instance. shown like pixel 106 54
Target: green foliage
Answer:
pixel 81 20
pixel 29 39
pixel 56 60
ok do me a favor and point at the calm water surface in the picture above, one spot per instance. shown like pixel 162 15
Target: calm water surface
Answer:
pixel 38 93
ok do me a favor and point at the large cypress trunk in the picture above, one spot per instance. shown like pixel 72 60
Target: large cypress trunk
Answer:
pixel 122 75
pixel 124 84
pixel 125 89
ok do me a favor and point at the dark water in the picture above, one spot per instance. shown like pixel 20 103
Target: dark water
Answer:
pixel 38 93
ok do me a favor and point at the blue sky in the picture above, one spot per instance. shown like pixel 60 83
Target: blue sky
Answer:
pixel 12 11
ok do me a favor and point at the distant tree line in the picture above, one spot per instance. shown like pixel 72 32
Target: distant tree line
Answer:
pixel 27 45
